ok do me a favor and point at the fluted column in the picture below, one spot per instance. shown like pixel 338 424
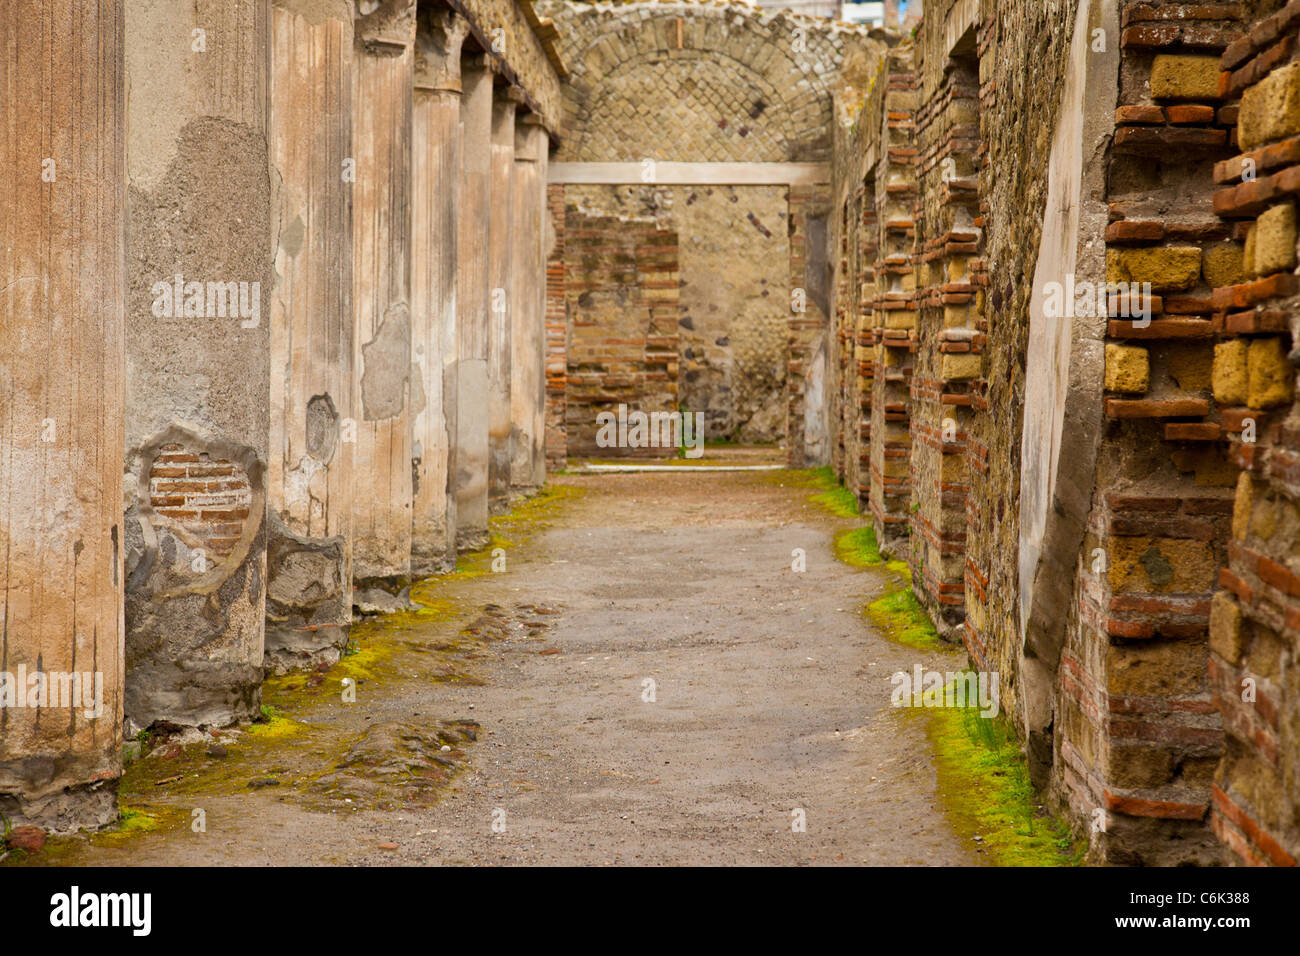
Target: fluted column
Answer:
pixel 501 302
pixel 310 488
pixel 62 288
pixel 435 188
pixel 381 133
pixel 528 312
pixel 473 292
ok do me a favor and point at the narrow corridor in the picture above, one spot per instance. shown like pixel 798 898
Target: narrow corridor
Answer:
pixel 770 695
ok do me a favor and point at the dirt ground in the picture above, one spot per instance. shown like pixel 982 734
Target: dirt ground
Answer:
pixel 770 697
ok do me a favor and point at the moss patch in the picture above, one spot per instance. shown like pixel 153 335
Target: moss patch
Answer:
pixel 987 792
pixel 857 548
pixel 982 777
pixel 902 618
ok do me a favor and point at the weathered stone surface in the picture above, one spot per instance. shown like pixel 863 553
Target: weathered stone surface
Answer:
pixel 62 303
pixel 309 481
pixel 1127 369
pixel 383 61
pixel 1185 77
pixel 200 216
pixel 1275 238
pixel 1270 109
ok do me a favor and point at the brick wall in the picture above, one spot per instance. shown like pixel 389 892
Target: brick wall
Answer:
pixel 1255 616
pixel 621 294
pixel 207 499
pixel 557 335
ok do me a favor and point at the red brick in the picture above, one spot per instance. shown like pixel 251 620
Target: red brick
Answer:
pixel 1192 431
pixel 1127 230
pixel 1256 834
pixel 1190 113
pixel 1156 408
pixel 1162 809
pixel 1139 114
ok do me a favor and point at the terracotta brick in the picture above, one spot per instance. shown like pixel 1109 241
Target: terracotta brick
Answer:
pixel 1152 408
pixel 1190 113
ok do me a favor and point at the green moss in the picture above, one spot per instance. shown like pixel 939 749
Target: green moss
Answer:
pixel 828 492
pixel 857 548
pixel 902 618
pixel 986 791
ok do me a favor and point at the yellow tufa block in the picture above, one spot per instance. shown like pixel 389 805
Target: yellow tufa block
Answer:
pixel 1223 265
pixel 1271 108
pixel 1274 234
pixel 957 367
pixel 1128 369
pixel 1229 373
pixel 1183 77
pixel 1242 504
pixel 1167 268
pixel 1225 627
pixel 1270 376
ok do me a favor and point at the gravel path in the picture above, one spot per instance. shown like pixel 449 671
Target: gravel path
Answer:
pixel 770 702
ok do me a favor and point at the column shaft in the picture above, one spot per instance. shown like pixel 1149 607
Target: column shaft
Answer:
pixel 381 133
pixel 62 288
pixel 309 575
pixel 199 244
pixel 528 317
pixel 435 189
pixel 502 303
pixel 473 296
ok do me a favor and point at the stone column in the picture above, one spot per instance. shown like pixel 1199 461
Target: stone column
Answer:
pixel 309 574
pixel 470 479
pixel 201 272
pixel 434 190
pixel 381 216
pixel 501 304
pixel 527 316
pixel 62 287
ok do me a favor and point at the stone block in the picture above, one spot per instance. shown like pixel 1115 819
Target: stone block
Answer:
pixel 1275 237
pixel 959 367
pixel 1128 369
pixel 1222 264
pixel 1271 108
pixel 1229 376
pixel 1225 627
pixel 1241 506
pixel 1165 267
pixel 1270 375
pixel 1183 77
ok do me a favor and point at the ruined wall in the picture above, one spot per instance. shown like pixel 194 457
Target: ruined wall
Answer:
pixel 726 84
pixel 1071 523
pixel 62 295
pixel 1137 650
pixel 200 271
pixel 1255 618
pixel 621 294
pixel 557 334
